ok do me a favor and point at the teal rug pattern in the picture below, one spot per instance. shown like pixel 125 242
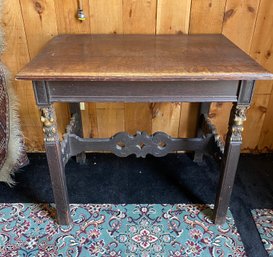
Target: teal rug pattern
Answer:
pixel 107 230
pixel 264 223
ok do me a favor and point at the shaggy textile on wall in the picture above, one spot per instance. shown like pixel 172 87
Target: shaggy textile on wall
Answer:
pixel 12 154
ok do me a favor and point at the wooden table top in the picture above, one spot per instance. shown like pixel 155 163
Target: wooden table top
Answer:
pixel 142 58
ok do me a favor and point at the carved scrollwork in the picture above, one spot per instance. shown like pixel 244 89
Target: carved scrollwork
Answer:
pixel 49 124
pixel 237 126
pixel 141 144
pixel 72 127
pixel 212 129
pixel 74 124
pixel 122 144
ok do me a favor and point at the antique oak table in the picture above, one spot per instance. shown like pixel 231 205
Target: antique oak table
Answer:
pixel 142 68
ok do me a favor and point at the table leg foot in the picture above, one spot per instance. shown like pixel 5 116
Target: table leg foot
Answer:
pixel 81 158
pixel 198 157
pixel 226 183
pixel 58 181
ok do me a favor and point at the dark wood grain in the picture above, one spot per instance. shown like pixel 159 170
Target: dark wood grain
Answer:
pixel 58 181
pixel 141 58
pixel 187 91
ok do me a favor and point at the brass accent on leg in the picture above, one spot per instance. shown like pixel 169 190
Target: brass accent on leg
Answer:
pixel 237 126
pixel 48 119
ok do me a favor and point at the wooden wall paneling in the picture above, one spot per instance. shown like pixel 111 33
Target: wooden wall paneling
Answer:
pixel 253 127
pixel 263 87
pixel 138 117
pixel 104 119
pixel 207 16
pixel 239 22
pixel 40 23
pixel 165 117
pixel 188 120
pixel 254 123
pixel 94 131
pixel 139 16
pixel 262 51
pixel 266 135
pixel 261 40
pixel 106 16
pixel 16 52
pixel 67 22
pixel 89 120
pixel 15 56
pixel 29 117
pixel 86 121
pixel 173 16
pixel 261 48
pixel 262 43
pixel 110 118
pixel 86 118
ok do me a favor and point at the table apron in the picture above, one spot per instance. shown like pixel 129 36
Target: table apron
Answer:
pixel 184 91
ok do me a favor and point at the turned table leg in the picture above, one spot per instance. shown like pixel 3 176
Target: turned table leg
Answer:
pixel 55 164
pixel 230 162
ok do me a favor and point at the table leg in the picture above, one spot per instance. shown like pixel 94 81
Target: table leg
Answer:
pixel 75 109
pixel 55 164
pixel 204 110
pixel 230 161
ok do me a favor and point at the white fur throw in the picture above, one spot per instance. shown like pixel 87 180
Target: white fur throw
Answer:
pixel 12 152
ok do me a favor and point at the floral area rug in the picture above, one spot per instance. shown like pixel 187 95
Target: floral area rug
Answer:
pixel 152 230
pixel 264 222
